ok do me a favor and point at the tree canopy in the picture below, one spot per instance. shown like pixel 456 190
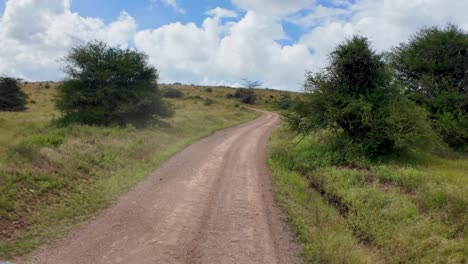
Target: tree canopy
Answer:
pixel 433 65
pixel 355 96
pixel 108 85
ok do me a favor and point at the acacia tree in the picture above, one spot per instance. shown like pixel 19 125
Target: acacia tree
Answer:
pixel 247 94
pixel 434 67
pixel 108 85
pixel 12 98
pixel 355 96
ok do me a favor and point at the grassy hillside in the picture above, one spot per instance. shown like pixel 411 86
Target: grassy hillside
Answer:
pixel 52 178
pixel 266 98
pixel 410 210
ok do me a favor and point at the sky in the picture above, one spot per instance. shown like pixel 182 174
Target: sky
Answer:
pixel 211 42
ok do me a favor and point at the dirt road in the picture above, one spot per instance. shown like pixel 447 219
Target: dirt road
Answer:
pixel 211 203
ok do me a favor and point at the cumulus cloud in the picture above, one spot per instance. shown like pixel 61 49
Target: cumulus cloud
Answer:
pixel 33 44
pixel 174 5
pixel 385 22
pixel 225 51
pixel 273 7
pixel 221 12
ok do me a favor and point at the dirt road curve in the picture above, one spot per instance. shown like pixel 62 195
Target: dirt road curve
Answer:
pixel 211 203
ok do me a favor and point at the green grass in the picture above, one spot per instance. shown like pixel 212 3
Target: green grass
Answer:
pixel 393 212
pixel 52 178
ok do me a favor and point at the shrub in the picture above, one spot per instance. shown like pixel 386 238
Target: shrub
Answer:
pixel 433 67
pixel 209 90
pixel 246 95
pixel 208 102
pixel 108 85
pixel 46 140
pixel 12 98
pixel 170 92
pixel 355 96
pixel 284 102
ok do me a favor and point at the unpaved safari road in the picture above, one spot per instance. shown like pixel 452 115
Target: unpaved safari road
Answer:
pixel 210 203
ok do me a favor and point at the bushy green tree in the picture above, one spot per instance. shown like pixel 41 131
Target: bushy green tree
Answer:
pixel 12 98
pixel 355 96
pixel 434 67
pixel 108 85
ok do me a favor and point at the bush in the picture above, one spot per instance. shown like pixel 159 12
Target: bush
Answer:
pixel 433 67
pixel 246 95
pixel 108 85
pixel 12 98
pixel 356 97
pixel 208 102
pixel 46 140
pixel 284 102
pixel 209 90
pixel 170 92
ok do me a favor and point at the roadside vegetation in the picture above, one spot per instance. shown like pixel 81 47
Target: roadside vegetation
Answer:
pixel 371 163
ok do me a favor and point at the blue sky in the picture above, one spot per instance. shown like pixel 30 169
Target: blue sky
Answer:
pixel 149 14
pixel 211 42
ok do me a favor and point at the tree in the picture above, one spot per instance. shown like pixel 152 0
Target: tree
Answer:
pixel 12 98
pixel 355 96
pixel 108 85
pixel 434 67
pixel 247 94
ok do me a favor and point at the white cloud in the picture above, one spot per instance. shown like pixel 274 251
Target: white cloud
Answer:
pixel 35 34
pixel 225 52
pixel 318 15
pixel 385 22
pixel 273 7
pixel 174 5
pixel 221 12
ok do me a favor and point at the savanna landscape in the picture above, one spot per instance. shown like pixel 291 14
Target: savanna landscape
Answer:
pixel 365 163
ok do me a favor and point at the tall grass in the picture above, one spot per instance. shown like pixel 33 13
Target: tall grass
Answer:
pixel 394 212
